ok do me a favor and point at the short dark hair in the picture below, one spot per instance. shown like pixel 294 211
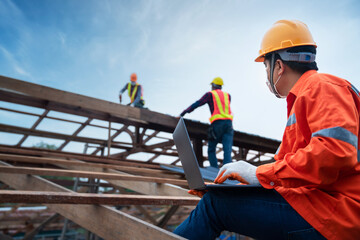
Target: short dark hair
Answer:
pixel 299 67
pixel 215 86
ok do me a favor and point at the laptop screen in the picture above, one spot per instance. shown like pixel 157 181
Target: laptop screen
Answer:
pixel 187 156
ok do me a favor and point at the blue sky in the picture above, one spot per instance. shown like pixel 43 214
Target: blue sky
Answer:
pixel 175 46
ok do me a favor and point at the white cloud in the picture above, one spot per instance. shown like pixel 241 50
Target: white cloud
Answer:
pixel 19 70
pixel 62 38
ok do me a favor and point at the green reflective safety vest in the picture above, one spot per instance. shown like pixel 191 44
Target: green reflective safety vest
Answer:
pixel 132 94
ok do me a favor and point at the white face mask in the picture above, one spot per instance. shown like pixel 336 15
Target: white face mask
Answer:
pixel 270 88
pixel 133 83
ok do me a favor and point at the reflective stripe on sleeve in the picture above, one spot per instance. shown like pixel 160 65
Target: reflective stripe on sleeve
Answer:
pixel 277 151
pixel 355 90
pixel 291 120
pixel 338 133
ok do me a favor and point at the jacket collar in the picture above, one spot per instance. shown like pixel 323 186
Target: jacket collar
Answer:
pixel 294 92
pixel 298 85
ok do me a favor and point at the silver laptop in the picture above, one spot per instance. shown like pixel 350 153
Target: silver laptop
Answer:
pixel 190 164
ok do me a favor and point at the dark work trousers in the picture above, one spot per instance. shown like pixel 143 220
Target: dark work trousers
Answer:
pixel 220 131
pixel 255 212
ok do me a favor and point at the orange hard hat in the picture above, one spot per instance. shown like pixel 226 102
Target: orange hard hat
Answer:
pixel 133 77
pixel 285 34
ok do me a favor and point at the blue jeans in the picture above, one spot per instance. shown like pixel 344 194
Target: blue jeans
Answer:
pixel 255 212
pixel 220 131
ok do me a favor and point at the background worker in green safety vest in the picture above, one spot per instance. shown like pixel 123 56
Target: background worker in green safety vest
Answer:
pixel 135 92
pixel 221 129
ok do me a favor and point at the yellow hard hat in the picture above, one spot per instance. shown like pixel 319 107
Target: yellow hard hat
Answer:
pixel 218 81
pixel 285 34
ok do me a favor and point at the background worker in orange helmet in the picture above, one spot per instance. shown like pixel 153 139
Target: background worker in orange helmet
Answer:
pixel 135 92
pixel 221 129
pixel 312 190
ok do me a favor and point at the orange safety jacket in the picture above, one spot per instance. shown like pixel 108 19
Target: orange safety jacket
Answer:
pixel 133 93
pixel 317 168
pixel 222 108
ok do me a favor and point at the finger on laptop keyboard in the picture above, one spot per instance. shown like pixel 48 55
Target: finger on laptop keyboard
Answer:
pixel 199 193
pixel 219 176
pixel 232 176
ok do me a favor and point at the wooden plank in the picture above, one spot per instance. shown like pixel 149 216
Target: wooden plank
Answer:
pixel 109 139
pixel 17 98
pixel 100 109
pixel 167 216
pixel 147 148
pixel 153 158
pixel 86 174
pixel 104 221
pixel 146 214
pixel 33 127
pixel 34 132
pixel 70 183
pixel 5 237
pixel 52 94
pixel 78 156
pixel 53 118
pixel 150 136
pixel 148 188
pixel 160 145
pixel 133 170
pixel 20 226
pixel 44 197
pixel 258 155
pixel 30 235
pixel 117 133
pixel 82 126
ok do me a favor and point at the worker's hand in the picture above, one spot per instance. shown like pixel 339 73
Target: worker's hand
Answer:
pixel 120 97
pixel 241 171
pixel 199 193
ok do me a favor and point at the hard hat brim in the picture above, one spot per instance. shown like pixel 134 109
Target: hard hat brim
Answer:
pixel 260 58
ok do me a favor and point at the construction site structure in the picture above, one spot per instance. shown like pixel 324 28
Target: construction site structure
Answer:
pixel 104 176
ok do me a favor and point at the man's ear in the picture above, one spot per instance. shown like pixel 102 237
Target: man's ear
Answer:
pixel 281 66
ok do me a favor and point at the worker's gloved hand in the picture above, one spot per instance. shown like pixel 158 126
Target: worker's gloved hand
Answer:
pixel 241 171
pixel 199 193
pixel 120 97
